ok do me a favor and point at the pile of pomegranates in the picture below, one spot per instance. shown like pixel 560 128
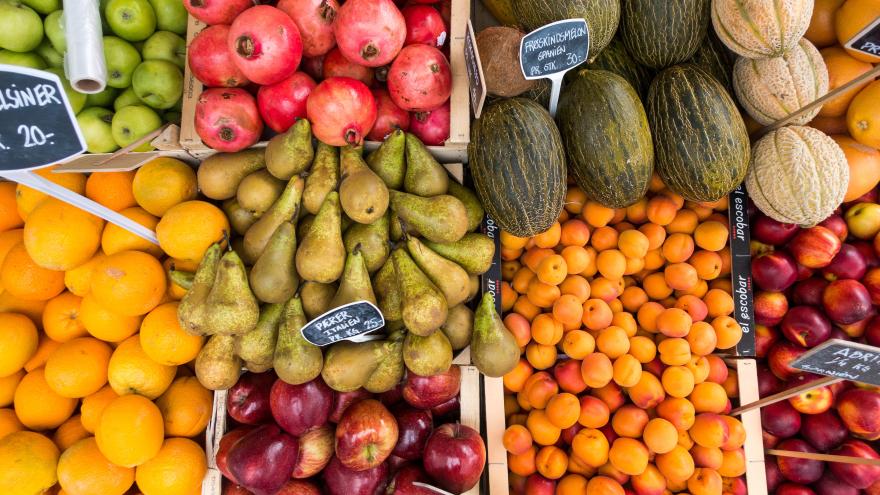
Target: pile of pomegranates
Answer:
pixel 356 69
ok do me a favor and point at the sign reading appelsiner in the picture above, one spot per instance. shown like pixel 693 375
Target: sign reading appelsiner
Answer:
pixel 37 125
pixel 842 359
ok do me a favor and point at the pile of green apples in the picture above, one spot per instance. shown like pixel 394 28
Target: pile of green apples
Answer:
pixel 144 51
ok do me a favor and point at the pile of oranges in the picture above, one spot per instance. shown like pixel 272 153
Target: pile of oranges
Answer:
pixel 618 313
pixel 96 387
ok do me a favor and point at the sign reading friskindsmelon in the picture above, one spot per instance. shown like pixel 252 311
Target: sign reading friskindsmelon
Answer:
pixel 347 322
pixel 741 269
pixel 37 124
pixel 476 79
pixel 842 359
pixel 552 50
pixel 868 39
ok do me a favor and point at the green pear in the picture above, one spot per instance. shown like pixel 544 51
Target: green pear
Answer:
pixel 471 203
pixel 362 193
pixel 217 367
pixel 391 367
pixel 316 297
pixel 258 191
pixel 258 345
pixel 427 356
pixel 459 326
pixel 321 254
pixel 423 306
pixel 373 241
pixel 354 284
pixel 282 210
pixel 323 177
pixel 493 348
pixel 388 160
pixel 240 218
pixel 220 174
pixel 191 312
pixel 473 252
pixel 297 360
pixel 387 292
pixel 440 218
pixel 450 278
pixel 424 175
pixel 349 365
pixel 273 277
pixel 290 153
pixel 231 308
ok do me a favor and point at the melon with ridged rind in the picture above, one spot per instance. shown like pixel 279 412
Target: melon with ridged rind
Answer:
pixel 761 28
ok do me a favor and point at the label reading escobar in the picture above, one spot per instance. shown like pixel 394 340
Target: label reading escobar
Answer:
pixel 842 359
pixel 741 269
pixel 346 322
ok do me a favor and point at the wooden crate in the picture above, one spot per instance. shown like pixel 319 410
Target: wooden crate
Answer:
pixel 455 148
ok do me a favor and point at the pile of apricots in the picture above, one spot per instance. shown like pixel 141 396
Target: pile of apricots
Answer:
pixel 618 313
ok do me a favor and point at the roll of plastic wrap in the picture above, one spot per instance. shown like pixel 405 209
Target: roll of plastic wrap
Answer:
pixel 84 60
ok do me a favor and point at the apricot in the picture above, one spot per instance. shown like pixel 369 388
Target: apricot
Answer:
pixel 677 248
pixel 571 484
pixel 611 395
pixel 633 244
pixel 694 306
pixel 563 410
pixel 701 338
pixel 550 237
pixel 674 351
pixel 577 344
pixel 709 430
pixel 627 370
pixel 597 215
pixel 707 457
pixel 674 322
pixel 626 321
pixel 699 367
pixel 661 210
pixel 711 235
pixel 648 314
pixel 656 287
pixel 650 482
pixel 568 375
pixel 517 439
pixel 629 421
pixel 594 413
pixel 685 222
pixel 719 302
pixel 577 259
pixel 551 462
pixel 727 332
pixel 685 440
pixel 678 381
pixel 511 241
pixel 707 263
pixel 718 371
pixel 731 385
pixel 656 234
pixel 523 464
pixel 521 280
pixel 541 294
pixel 597 370
pixel 576 465
pixel 736 433
pixel 604 238
pixel 709 397
pixel 677 465
pixel 654 260
pixel 679 412
pixel 704 481
pixel 633 298
pixel 552 270
pixel 574 232
pixel 543 431
pixel 638 212
pixel 525 308
pixel 642 348
pixel 648 392
pixel 603 485
pixel 733 463
pixel 681 276
pixel 613 342
pixel 611 264
pixel 660 435
pixel 541 356
pixel 597 315
pixel 591 446
pixel 539 389
pixel 629 456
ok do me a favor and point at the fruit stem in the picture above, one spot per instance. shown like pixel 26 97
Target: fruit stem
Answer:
pixel 352 137
pixel 244 46
pixel 369 52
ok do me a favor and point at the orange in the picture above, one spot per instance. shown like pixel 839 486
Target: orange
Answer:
pixel 28 463
pixel 61 318
pixel 18 342
pixel 111 189
pixel 131 371
pixel 177 469
pixel 130 431
pixel 185 407
pixel 851 18
pixel 27 199
pixel 83 470
pixel 9 422
pixel 8 384
pixel 8 239
pixel 9 217
pixel 188 229
pixel 842 68
pixel 862 117
pixel 821 30
pixel 864 166
pixel 164 341
pixel 104 324
pixel 79 280
pixel 37 406
pixel 131 283
pixel 116 239
pixel 45 348
pixel 22 277
pixel 93 406
pixel 60 236
pixel 831 125
pixel 70 432
pixel 78 367
pixel 162 183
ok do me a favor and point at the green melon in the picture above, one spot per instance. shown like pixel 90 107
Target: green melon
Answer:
pixel 616 59
pixel 602 17
pixel 717 59
pixel 660 33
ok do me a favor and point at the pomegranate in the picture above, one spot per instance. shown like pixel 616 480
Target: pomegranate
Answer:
pixel 265 44
pixel 314 18
pixel 336 65
pixel 313 66
pixel 369 32
pixel 420 79
pixel 424 25
pixel 389 117
pixel 216 11
pixel 227 119
pixel 282 103
pixel 342 111
pixel 209 59
pixel 431 127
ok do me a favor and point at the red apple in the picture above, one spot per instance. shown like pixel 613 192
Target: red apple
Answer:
pixel 769 231
pixel 393 396
pixel 425 392
pixel 233 489
pixel 395 463
pixel 226 443
pixel 793 489
pixel 872 283
pixel 299 408
pixel 299 487
pixel 813 401
pixel 454 457
pixel 859 476
pixel 846 301
pixel 765 337
pixel 867 251
pixel 836 224
pixel 315 451
pixel 774 271
pixel 341 480
pixel 780 419
pixel 809 292
pixel 872 332
pixel 829 484
pixel 263 459
pixel 825 431
pixel 452 408
pixel 341 400
pixel 804 471
pixel 774 477
pixel 366 435
pixel 414 426
pixel 402 482
pixel 803 272
pixel 768 383
pixel 806 326
pixel 769 440
pixel 780 357
pixel 248 400
pixel 848 263
pixel 770 307
pixel 860 411
pixel 815 247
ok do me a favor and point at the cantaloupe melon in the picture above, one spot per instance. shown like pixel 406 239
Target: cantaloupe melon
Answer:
pixel 797 175
pixel 773 88
pixel 761 28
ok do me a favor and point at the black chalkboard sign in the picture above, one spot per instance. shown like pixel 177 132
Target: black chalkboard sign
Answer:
pixel 741 269
pixel 491 280
pixel 342 323
pixel 554 48
pixel 476 80
pixel 37 125
pixel 868 39
pixel 847 360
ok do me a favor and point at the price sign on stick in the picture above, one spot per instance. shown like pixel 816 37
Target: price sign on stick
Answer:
pixel 841 359
pixel 552 50
pixel 347 322
pixel 867 40
pixel 476 79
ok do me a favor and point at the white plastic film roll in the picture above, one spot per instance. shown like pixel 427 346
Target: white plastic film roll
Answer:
pixel 84 60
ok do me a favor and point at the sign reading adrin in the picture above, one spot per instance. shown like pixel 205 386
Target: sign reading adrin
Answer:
pixel 839 358
pixel 552 50
pixel 344 323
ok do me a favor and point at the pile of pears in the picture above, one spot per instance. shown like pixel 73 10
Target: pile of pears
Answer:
pixel 318 227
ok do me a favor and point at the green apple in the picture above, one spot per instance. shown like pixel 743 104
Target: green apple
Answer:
pixel 21 29
pixel 165 45
pixel 44 7
pixel 103 99
pixel 121 59
pixel 77 99
pixel 132 20
pixel 170 15
pixel 132 123
pixel 29 59
pixel 158 83
pixel 125 99
pixel 50 54
pixel 95 125
pixel 863 220
pixel 54 26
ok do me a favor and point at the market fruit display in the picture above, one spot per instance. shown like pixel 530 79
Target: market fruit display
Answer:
pixel 663 33
pixel 326 62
